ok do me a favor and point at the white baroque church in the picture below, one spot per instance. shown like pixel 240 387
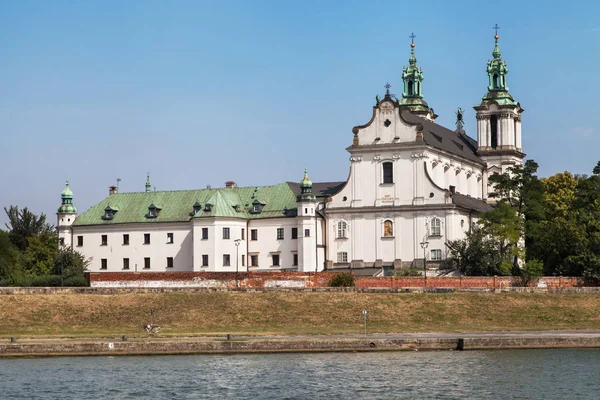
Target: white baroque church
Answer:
pixel 413 186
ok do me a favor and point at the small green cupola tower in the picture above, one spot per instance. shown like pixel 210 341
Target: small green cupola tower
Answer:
pixel 306 193
pixel 412 96
pixel 67 201
pixel 66 215
pixel 148 184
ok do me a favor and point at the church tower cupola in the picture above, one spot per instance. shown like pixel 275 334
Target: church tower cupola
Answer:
pixel 412 95
pixel 306 193
pixel 67 201
pixel 148 184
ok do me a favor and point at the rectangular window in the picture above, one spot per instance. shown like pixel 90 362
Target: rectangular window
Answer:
pixel 79 241
pixel 226 260
pixel 205 260
pixel 225 233
pixel 147 263
pixel 254 234
pixel 436 254
pixel 388 172
pixel 204 233
pixel 169 262
pixel 243 260
pixel 276 260
pixel 243 234
pixel 342 257
pixel 62 241
pixel 294 233
pixel 125 239
pixel 307 233
pixel 104 240
pixel 146 238
pixel 103 263
pixel 279 233
pixel 169 238
pixel 254 260
pixel 436 227
pixel 295 259
pixel 126 263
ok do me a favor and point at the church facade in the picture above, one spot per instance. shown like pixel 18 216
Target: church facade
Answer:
pixel 413 186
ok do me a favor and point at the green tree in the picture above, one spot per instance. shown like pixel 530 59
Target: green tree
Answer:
pixel 40 256
pixel 23 224
pixel 477 254
pixel 70 263
pixel 8 258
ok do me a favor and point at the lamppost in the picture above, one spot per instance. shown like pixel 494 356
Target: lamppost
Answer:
pixel 424 245
pixel 237 260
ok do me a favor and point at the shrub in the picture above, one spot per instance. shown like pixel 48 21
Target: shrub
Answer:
pixel 344 279
pixel 45 280
pixel 76 281
pixel 531 272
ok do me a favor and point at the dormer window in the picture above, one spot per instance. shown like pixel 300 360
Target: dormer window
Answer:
pixel 109 213
pixel 197 207
pixel 256 207
pixel 153 211
pixel 207 207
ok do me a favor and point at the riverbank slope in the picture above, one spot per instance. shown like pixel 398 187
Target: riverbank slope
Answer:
pixel 290 313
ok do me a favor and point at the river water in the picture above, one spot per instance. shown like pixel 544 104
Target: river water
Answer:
pixel 497 374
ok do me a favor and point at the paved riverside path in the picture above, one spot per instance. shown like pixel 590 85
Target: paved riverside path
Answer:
pixel 390 336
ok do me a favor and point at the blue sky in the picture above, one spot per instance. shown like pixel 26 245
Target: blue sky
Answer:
pixel 197 93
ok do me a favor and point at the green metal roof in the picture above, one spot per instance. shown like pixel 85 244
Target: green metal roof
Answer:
pixel 177 206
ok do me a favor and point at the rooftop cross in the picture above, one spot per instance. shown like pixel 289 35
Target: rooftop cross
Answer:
pixel 412 39
pixel 495 28
pixel 387 88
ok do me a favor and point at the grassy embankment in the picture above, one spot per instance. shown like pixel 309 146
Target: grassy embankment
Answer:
pixel 199 314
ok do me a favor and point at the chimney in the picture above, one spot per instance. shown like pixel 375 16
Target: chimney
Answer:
pixel 230 184
pixel 112 190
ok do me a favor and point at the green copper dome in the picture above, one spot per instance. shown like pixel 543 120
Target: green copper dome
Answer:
pixel 67 193
pixel 305 182
pixel 67 201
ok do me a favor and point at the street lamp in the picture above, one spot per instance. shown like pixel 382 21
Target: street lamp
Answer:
pixel 237 260
pixel 424 245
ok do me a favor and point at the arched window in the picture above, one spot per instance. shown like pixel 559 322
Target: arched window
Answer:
pixel 341 229
pixel 418 88
pixel 388 172
pixel 410 88
pixel 436 227
pixel 388 228
pixel 495 78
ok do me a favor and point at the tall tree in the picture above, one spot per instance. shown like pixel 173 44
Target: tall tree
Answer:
pixel 23 224
pixel 8 257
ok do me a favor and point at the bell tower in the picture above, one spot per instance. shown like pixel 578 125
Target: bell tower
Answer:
pixel 307 234
pixel 66 214
pixel 498 119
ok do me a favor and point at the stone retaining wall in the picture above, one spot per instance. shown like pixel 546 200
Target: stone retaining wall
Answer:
pixel 142 290
pixel 292 345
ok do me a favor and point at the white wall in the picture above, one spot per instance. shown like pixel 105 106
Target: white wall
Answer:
pixel 268 244
pixel 158 250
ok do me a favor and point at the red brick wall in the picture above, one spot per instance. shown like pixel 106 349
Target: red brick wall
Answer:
pixel 321 279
